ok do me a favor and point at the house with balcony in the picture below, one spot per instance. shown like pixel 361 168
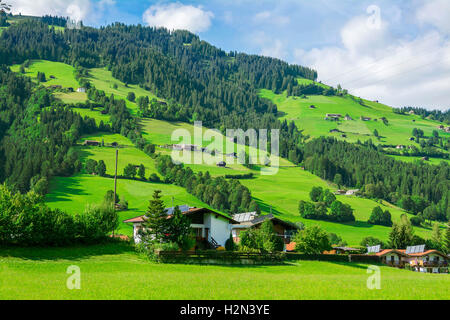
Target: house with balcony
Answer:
pixel 209 226
pixel 284 229
pixel 427 261
pixel 392 257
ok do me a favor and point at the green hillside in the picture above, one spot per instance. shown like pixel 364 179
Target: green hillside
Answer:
pixel 312 120
pixel 279 194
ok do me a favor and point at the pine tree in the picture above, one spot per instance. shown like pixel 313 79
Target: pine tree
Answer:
pixel 446 240
pixel 155 226
pixel 179 230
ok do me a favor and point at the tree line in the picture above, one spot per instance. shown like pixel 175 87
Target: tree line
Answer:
pixel 380 176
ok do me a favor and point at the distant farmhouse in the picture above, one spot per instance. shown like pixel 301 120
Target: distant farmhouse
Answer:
pixel 333 116
pixel 91 143
pixel 81 90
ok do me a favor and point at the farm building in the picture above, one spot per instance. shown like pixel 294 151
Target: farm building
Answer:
pixel 400 147
pixel 283 228
pixel 333 116
pixel 91 143
pixel 209 226
pixel 352 192
pixel 348 118
pixel 82 90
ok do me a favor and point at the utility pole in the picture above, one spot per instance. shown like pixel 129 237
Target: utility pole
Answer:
pixel 115 185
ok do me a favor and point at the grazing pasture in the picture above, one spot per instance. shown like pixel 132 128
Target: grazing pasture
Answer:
pixel 312 121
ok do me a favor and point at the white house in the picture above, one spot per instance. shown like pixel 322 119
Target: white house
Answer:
pixel 82 90
pixel 208 225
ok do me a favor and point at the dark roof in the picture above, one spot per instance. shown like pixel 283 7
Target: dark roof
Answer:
pixel 189 211
pixel 271 217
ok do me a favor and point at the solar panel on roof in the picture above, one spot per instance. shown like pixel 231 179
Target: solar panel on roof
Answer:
pixel 373 249
pixel 183 208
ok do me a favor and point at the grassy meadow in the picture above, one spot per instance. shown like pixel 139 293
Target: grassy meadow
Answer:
pixel 103 80
pixel 116 272
pixel 398 131
pixel 63 75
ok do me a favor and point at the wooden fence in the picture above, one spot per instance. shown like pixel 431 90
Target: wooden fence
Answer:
pixel 220 257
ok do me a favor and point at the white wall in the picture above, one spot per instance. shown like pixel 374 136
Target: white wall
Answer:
pixel 220 228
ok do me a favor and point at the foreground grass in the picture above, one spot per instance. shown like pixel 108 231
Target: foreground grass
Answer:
pixel 115 272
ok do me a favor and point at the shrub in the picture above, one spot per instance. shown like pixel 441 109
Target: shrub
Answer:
pixel 312 240
pixel 371 241
pixel 154 178
pixel 378 217
pixel 131 96
pixel 229 244
pixel 26 220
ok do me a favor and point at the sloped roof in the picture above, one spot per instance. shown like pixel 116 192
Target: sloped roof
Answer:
pixel 271 217
pixel 421 254
pixel 386 251
pixel 189 211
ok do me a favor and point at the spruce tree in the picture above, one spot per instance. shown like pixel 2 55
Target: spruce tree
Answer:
pixel 155 222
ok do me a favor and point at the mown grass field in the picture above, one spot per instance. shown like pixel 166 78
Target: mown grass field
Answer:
pixel 116 272
pixel 103 80
pixel 398 131
pixel 63 75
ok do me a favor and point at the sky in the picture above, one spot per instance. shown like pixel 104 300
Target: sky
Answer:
pixel 394 51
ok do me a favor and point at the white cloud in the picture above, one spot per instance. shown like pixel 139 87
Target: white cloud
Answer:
pixel 436 13
pixel 176 16
pixel 77 10
pixel 269 46
pixel 373 64
pixel 268 17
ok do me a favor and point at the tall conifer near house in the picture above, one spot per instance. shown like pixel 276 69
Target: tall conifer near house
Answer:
pixel 155 222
